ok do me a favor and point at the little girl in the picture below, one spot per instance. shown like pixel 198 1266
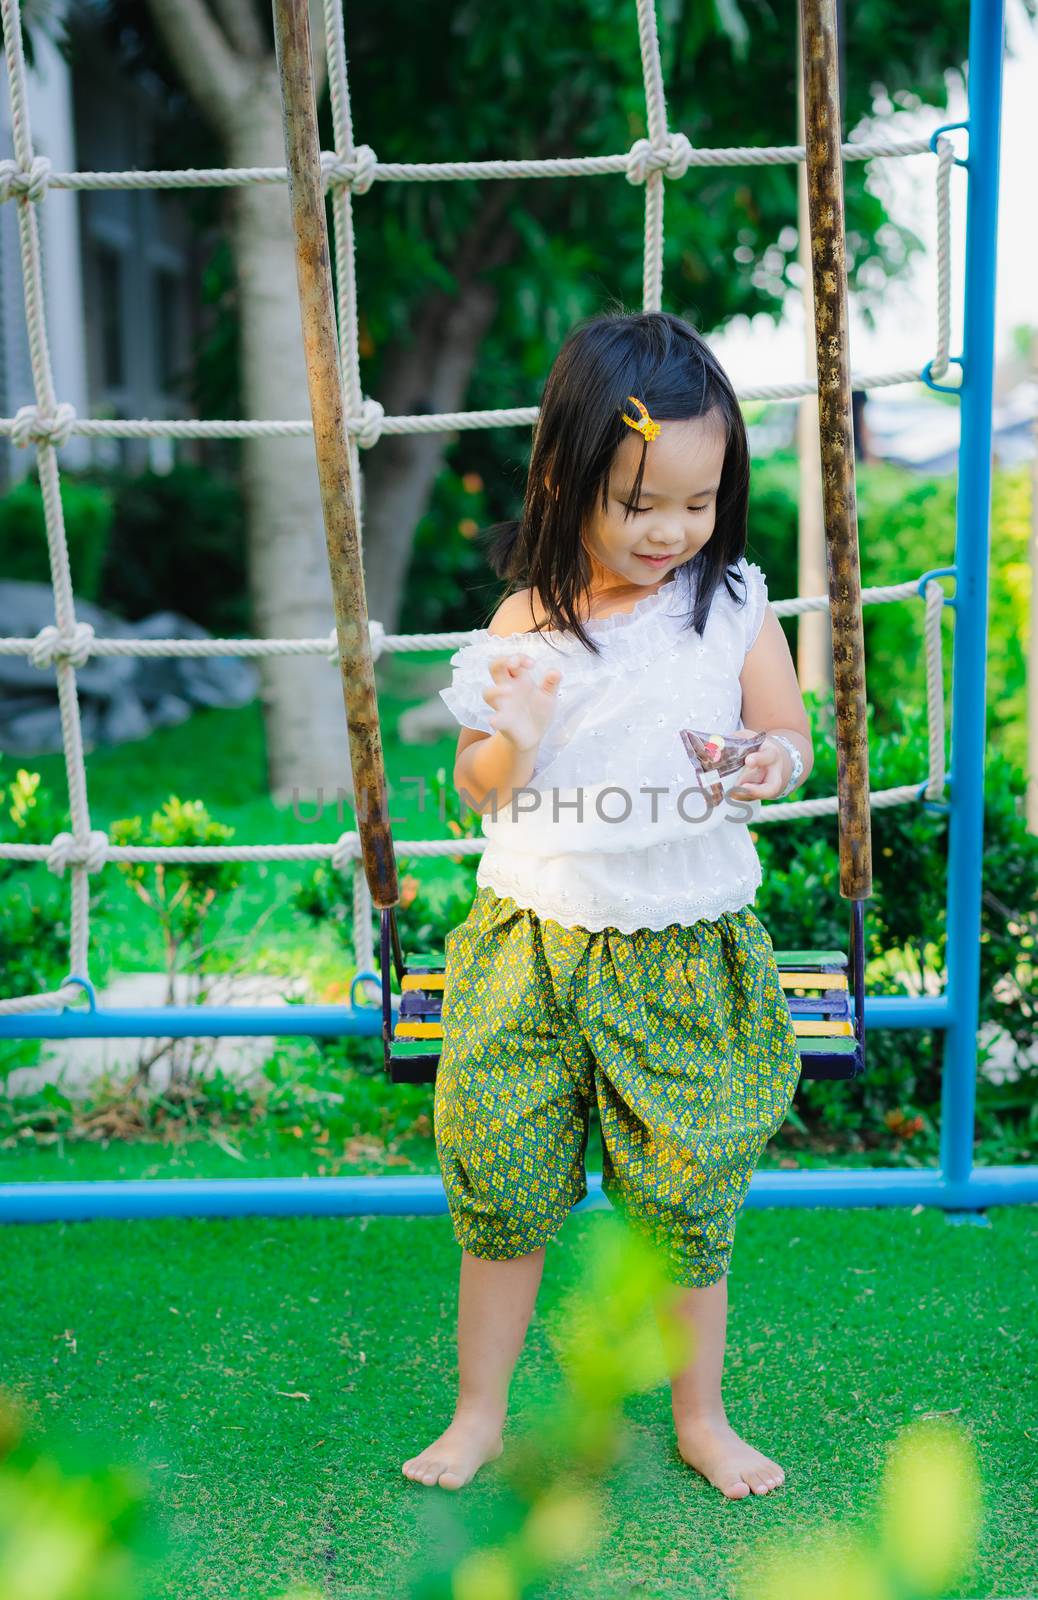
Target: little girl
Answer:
pixel 611 949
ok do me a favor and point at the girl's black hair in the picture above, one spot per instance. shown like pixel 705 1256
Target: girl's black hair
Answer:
pixel 664 361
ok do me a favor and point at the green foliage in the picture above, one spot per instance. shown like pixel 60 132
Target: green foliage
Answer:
pixel 319 1106
pixel 550 80
pixel 139 542
pixel 449 578
pixel 547 80
pixel 907 526
pixel 557 80
pixel 183 896
pixel 922 1543
pixel 1013 609
pixel 34 904
pixel 187 900
pixel 178 544
pixel 87 510
pixel 800 903
pixel 70 1528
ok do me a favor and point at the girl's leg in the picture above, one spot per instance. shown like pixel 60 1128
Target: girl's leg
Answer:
pixel 495 1302
pixel 705 1438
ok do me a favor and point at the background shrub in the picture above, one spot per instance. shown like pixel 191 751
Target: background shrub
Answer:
pixel 87 507
pixel 178 544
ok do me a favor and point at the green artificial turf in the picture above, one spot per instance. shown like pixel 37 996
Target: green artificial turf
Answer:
pixel 273 1374
pixel 274 1152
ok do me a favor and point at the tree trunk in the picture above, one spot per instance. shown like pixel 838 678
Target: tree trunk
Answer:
pixel 428 373
pixel 289 585
pixel 431 373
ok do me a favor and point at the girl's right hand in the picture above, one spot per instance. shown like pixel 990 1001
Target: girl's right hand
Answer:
pixel 523 708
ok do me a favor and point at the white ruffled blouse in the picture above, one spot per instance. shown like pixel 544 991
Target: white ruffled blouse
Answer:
pixel 612 831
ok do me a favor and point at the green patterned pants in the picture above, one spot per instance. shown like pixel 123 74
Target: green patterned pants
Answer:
pixel 684 1038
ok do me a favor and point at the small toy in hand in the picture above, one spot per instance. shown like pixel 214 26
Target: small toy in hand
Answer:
pixel 718 759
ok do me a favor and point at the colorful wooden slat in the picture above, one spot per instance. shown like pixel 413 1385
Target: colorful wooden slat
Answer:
pixel 833 1028
pixel 822 959
pixel 429 1005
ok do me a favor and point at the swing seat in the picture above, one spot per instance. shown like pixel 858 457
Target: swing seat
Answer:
pixel 820 988
pixel 820 1000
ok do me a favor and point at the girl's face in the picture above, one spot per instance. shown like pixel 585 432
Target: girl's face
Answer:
pixel 674 515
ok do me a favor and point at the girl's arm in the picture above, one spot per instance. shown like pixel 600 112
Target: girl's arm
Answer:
pixel 772 702
pixel 492 764
pixel 488 767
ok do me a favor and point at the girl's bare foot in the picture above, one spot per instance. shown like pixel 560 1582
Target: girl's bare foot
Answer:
pixel 471 1440
pixel 713 1447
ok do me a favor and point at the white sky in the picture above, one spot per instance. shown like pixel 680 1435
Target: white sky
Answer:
pixel 760 352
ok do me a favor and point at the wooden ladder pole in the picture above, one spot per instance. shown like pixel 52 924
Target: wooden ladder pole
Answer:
pixel 328 408
pixel 829 276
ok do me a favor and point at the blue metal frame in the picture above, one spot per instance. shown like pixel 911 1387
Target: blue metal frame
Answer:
pixel 972 548
pixel 956 1187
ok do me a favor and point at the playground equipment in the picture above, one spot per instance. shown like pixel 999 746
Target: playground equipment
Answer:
pixel 827 1011
pixel 350 170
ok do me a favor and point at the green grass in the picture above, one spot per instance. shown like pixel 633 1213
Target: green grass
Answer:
pixel 180 1345
pixel 393 1116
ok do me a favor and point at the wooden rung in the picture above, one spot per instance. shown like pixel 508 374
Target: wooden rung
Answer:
pixel 811 958
pixel 813 980
pixel 420 1003
pixel 405 1048
pixel 813 1005
pixel 418 1030
pixel 422 980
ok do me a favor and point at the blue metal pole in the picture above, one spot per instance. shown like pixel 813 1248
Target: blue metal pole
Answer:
pixel 973 512
pixel 423 1195
pixel 196 1022
pixel 289 1022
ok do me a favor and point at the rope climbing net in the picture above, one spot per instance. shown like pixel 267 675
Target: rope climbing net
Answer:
pixel 350 170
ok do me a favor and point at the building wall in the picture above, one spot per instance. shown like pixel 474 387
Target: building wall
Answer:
pixel 120 266
pixel 138 272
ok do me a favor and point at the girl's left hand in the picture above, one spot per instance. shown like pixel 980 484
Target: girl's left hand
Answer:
pixel 767 771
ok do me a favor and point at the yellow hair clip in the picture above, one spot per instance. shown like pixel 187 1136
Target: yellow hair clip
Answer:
pixel 646 426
